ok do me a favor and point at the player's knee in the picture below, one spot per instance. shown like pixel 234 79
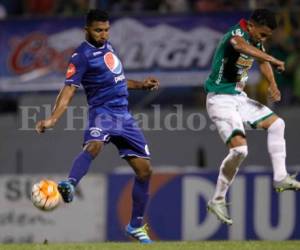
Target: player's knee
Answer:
pixel 94 148
pixel 145 174
pixel 238 140
pixel 240 152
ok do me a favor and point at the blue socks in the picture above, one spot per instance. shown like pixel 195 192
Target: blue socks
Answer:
pixel 140 195
pixel 140 191
pixel 80 167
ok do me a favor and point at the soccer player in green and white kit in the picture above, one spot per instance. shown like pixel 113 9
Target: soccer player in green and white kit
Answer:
pixel 229 107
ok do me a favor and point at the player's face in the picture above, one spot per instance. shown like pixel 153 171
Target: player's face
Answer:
pixel 97 33
pixel 258 33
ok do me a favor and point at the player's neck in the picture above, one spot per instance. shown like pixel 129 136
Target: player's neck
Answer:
pixel 94 44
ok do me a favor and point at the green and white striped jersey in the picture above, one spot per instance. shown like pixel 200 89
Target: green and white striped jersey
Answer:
pixel 229 67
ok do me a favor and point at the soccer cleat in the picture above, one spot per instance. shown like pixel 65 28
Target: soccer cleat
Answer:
pixel 66 190
pixel 288 183
pixel 220 210
pixel 139 233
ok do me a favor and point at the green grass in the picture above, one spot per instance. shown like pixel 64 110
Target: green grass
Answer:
pixel 199 245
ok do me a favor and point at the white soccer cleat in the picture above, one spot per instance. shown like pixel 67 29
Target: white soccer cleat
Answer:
pixel 220 210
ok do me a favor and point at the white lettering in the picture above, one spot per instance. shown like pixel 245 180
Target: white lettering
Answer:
pixel 192 188
pixel 119 78
pixel 238 209
pixel 262 211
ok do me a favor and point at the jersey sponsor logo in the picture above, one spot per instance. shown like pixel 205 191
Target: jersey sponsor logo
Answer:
pixel 243 62
pixel 113 63
pixel 71 70
pixel 119 78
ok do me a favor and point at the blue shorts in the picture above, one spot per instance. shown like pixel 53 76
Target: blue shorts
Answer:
pixel 120 128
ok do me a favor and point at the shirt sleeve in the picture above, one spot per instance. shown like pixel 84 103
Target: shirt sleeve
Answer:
pixel 76 69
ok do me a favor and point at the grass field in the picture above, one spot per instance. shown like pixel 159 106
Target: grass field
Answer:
pixel 200 245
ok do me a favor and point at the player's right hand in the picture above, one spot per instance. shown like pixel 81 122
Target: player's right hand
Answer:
pixel 42 125
pixel 279 65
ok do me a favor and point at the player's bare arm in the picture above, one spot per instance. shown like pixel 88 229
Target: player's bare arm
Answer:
pixel 150 83
pixel 240 45
pixel 62 101
pixel 267 72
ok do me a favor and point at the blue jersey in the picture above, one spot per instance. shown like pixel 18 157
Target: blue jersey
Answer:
pixel 100 72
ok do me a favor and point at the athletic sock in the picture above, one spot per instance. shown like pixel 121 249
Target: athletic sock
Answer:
pixel 230 164
pixel 277 149
pixel 140 196
pixel 80 167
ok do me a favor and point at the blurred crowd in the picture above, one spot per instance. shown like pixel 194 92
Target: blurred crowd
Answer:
pixel 285 44
pixel 78 7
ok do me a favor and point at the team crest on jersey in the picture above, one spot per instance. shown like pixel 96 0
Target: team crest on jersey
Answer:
pixel 237 32
pixel 70 71
pixel 113 63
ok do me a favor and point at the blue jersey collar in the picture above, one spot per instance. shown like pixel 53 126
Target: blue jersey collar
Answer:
pixel 102 47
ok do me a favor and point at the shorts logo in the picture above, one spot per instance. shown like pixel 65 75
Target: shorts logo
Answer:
pixel 113 63
pixel 70 71
pixel 95 132
pixel 147 150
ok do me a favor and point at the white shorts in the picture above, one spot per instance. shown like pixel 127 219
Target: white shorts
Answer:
pixel 231 112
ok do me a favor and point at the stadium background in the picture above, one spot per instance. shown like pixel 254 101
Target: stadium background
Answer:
pixel 173 40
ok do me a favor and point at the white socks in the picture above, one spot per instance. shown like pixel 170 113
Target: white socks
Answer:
pixel 228 171
pixel 232 162
pixel 277 149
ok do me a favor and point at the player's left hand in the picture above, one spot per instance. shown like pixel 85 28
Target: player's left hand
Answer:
pixel 151 83
pixel 274 93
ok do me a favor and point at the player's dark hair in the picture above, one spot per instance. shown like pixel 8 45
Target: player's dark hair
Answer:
pixel 264 17
pixel 96 15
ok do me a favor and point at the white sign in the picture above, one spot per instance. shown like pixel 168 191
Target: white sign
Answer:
pixel 195 186
pixel 81 220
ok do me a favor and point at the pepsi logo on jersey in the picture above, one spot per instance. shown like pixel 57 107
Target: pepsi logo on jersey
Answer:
pixel 113 63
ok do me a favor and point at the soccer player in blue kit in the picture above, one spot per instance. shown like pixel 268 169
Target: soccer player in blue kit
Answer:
pixel 97 68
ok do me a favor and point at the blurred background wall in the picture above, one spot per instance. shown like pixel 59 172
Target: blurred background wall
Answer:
pixel 173 40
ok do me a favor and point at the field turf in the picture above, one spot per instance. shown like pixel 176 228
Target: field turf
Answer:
pixel 195 245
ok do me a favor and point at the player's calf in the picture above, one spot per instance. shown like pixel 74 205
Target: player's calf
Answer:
pixel 232 162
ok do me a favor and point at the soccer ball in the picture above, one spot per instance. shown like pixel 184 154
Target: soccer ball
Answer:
pixel 45 196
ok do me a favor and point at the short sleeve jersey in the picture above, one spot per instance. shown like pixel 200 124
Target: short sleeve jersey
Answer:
pixel 100 72
pixel 229 67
